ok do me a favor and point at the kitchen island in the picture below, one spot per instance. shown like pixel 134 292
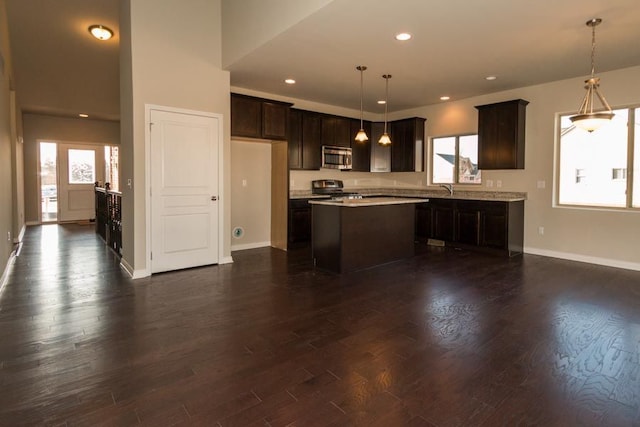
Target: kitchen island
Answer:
pixel 350 235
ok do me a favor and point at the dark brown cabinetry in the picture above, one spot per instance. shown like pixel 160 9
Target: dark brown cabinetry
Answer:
pixel 501 131
pixel 406 135
pixel 336 131
pixel 299 223
pixel 258 118
pixel 361 151
pixel 294 141
pixel 491 225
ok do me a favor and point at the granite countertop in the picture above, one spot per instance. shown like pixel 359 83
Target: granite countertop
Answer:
pixel 369 201
pixel 425 193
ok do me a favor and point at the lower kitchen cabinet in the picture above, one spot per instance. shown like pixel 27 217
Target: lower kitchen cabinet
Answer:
pixel 495 226
pixel 299 223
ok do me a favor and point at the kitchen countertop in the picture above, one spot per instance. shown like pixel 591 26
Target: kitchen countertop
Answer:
pixel 425 193
pixel 369 201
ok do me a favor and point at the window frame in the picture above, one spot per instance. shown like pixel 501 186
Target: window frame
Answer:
pixel 456 166
pixel 631 135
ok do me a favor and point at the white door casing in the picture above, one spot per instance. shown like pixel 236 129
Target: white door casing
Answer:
pixel 184 155
pixel 76 201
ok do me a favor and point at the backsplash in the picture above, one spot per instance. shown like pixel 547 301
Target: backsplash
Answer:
pixel 301 180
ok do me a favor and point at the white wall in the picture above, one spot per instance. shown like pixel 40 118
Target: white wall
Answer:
pixel 251 193
pixel 174 55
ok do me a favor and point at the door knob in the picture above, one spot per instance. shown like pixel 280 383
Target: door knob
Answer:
pixel 214 198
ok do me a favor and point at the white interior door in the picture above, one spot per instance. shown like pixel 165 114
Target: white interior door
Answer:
pixel 184 190
pixel 79 167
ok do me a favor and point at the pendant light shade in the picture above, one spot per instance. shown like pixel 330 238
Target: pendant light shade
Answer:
pixel 384 139
pixel 586 118
pixel 361 136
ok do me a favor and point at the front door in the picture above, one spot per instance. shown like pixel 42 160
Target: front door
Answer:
pixel 184 190
pixel 80 166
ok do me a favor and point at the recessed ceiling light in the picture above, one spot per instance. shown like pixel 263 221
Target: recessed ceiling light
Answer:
pixel 290 81
pixel 445 98
pixel 83 115
pixel 101 32
pixel 382 102
pixel 490 78
pixel 403 36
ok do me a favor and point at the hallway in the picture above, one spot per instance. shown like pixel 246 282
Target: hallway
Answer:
pixel 445 338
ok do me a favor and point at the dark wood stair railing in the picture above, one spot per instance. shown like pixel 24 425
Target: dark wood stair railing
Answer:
pixel 109 216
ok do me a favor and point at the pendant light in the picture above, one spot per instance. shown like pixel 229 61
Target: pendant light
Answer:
pixel 586 118
pixel 384 139
pixel 361 136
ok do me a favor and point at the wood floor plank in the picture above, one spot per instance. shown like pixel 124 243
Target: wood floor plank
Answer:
pixel 446 338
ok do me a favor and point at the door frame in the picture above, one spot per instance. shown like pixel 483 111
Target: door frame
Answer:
pixel 147 177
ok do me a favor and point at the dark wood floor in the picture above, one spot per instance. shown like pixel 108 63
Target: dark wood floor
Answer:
pixel 446 338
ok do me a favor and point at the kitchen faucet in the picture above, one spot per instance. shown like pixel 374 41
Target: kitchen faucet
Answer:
pixel 448 187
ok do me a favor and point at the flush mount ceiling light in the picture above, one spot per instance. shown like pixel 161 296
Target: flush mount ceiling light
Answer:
pixel 403 37
pixel 361 136
pixel 445 98
pixel 384 139
pixel 586 118
pixel 101 32
pixel 290 81
pixel 83 115
pixel 490 78
pixel 382 102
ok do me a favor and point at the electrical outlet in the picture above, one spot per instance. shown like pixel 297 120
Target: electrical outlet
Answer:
pixel 541 184
pixel 541 231
pixel 129 182
pixel 489 182
pixel 9 236
pixel 499 183
pixel 244 182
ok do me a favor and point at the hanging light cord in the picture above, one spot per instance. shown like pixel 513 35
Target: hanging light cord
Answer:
pixel 361 68
pixel 593 49
pixel 386 101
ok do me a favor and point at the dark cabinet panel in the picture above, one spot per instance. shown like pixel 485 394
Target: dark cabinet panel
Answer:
pixel 468 223
pixel 299 229
pixel 361 151
pixel 380 154
pixel 258 118
pixel 495 226
pixel 274 120
pixel 423 221
pixel 294 140
pixel 311 140
pixel 405 136
pixel 443 217
pixel 336 131
pixel 492 225
pixel 246 116
pixel 501 132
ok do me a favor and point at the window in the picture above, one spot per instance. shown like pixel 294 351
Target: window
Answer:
pixel 82 166
pixel 619 173
pixel 594 167
pixel 454 160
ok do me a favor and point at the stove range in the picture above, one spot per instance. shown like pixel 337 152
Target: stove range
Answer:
pixel 333 188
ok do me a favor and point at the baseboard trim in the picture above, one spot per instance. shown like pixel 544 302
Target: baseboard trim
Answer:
pixel 20 236
pixel 249 246
pixel 7 268
pixel 226 260
pixel 133 273
pixel 584 258
pixel 28 223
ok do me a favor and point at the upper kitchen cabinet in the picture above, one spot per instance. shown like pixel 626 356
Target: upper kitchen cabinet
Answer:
pixel 407 142
pixel 361 151
pixel 258 118
pixel 336 131
pixel 501 129
pixel 380 154
pixel 311 140
pixel 294 140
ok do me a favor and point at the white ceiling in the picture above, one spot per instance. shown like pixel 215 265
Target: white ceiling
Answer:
pixel 456 44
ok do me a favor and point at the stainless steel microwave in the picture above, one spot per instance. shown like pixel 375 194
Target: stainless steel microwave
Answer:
pixel 336 157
